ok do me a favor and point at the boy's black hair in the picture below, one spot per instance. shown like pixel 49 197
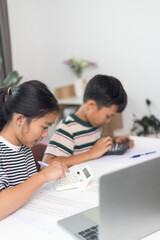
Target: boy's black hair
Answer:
pixel 106 91
pixel 32 99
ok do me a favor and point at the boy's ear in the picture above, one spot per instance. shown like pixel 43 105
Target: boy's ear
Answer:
pixel 91 105
pixel 19 119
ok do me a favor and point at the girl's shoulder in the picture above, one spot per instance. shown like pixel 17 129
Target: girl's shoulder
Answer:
pixel 2 146
pixel 7 146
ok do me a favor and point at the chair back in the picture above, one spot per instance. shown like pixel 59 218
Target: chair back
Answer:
pixel 38 153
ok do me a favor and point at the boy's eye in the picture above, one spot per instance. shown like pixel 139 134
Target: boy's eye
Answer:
pixel 44 128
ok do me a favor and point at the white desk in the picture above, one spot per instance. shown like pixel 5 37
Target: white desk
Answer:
pixel 29 226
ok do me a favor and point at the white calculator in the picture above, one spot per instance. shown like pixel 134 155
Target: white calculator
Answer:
pixel 74 179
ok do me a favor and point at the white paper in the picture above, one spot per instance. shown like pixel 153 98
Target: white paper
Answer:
pixel 54 206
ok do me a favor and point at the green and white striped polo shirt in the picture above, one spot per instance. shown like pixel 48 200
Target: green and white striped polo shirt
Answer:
pixel 73 136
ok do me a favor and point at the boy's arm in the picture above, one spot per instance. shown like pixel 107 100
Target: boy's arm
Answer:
pixel 100 147
pixel 13 198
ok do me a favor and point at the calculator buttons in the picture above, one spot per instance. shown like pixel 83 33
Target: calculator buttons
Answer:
pixel 74 180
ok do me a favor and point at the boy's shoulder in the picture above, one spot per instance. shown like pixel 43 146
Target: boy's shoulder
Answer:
pixel 66 123
pixel 74 122
pixel 68 119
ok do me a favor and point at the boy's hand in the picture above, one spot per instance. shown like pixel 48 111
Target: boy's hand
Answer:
pixel 101 146
pixel 123 139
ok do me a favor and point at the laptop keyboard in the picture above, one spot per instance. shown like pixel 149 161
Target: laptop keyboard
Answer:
pixel 90 233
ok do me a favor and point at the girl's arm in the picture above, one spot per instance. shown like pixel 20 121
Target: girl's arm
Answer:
pixel 13 198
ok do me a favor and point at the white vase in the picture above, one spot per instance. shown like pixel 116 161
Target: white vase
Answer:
pixel 79 87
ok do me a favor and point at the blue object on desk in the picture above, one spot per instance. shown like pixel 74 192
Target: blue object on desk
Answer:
pixel 43 164
pixel 138 155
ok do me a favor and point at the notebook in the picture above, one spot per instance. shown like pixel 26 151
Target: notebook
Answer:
pixel 129 206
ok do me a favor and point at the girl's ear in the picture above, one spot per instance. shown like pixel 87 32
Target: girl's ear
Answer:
pixel 19 119
pixel 91 105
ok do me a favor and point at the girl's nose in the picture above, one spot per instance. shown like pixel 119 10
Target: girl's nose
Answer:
pixel 45 133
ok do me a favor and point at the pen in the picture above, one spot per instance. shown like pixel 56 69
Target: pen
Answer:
pixel 138 155
pixel 43 164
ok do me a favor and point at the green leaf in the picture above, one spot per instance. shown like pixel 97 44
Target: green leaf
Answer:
pixel 16 82
pixel 12 79
pixel 148 102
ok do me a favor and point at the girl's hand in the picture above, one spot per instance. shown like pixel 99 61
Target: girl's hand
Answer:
pixel 123 139
pixel 100 147
pixel 54 171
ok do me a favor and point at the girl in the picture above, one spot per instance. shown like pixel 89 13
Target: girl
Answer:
pixel 26 112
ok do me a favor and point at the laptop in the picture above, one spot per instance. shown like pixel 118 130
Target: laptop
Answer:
pixel 129 206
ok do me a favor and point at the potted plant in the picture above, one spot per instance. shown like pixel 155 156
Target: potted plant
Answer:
pixel 78 67
pixel 147 125
pixel 11 80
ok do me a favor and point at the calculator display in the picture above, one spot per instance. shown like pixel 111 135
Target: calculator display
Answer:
pixel 86 173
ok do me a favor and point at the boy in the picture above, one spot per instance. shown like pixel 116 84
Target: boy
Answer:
pixel 78 137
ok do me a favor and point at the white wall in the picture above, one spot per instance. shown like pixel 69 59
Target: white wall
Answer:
pixel 123 37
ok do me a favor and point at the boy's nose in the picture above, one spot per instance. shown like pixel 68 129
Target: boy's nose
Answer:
pixel 108 120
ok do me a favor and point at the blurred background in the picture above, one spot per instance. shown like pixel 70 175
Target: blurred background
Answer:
pixel 122 37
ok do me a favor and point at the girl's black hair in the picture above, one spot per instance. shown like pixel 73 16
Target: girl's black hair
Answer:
pixel 32 99
pixel 106 91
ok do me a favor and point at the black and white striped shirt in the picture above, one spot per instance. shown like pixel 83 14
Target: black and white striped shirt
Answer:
pixel 16 164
